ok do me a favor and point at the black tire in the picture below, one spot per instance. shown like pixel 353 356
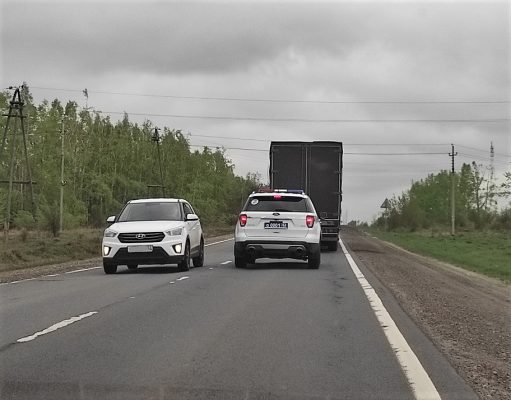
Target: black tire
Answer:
pixel 199 260
pixel 240 262
pixel 333 246
pixel 314 260
pixel 132 267
pixel 185 264
pixel 109 268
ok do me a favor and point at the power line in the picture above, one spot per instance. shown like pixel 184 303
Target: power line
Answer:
pixel 263 100
pixel 484 151
pixel 233 118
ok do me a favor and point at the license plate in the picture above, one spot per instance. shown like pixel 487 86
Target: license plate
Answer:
pixel 275 225
pixel 140 249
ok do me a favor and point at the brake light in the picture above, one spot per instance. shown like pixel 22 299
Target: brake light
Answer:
pixel 243 219
pixel 277 196
pixel 309 220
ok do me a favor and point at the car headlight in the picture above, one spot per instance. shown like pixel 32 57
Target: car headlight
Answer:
pixel 110 233
pixel 175 232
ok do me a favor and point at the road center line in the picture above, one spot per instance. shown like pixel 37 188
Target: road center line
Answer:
pixel 226 262
pixel 56 326
pixel 419 380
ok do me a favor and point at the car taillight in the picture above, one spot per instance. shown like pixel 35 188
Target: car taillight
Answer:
pixel 243 219
pixel 309 220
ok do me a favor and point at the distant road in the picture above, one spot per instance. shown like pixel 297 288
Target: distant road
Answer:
pixel 273 331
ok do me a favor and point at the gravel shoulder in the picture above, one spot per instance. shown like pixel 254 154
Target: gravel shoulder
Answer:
pixel 466 315
pixel 42 270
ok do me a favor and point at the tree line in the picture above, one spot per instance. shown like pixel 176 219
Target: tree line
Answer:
pixel 108 163
pixel 427 203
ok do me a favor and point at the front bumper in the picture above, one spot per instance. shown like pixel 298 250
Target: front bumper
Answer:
pixel 254 249
pixel 157 256
pixel 163 252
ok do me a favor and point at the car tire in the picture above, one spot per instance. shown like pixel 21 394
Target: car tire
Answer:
pixel 314 260
pixel 184 265
pixel 132 267
pixel 332 246
pixel 199 260
pixel 109 268
pixel 240 262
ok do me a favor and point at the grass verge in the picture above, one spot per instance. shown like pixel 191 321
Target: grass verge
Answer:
pixel 487 253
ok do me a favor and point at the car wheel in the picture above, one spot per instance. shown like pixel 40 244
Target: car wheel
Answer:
pixel 314 260
pixel 199 260
pixel 132 267
pixel 109 268
pixel 185 264
pixel 332 246
pixel 240 262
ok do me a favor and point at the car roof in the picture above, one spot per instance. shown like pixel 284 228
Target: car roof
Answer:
pixel 279 193
pixel 159 200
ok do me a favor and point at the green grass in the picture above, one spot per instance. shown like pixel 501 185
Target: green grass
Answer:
pixel 31 249
pixel 487 253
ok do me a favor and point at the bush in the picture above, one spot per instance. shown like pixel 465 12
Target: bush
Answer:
pixel 24 220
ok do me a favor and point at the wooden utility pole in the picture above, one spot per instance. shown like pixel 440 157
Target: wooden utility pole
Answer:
pixel 452 154
pixel 157 138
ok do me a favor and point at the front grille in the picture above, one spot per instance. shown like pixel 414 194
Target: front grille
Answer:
pixel 141 237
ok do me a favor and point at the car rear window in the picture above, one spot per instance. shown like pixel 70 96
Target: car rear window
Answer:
pixel 277 203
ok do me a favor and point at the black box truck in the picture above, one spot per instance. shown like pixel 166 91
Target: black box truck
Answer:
pixel 316 168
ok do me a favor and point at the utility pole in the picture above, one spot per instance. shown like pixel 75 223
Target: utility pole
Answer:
pixel 157 138
pixel 452 154
pixel 62 181
pixel 16 111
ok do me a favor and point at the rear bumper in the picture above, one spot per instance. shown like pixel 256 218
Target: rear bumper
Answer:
pixel 272 249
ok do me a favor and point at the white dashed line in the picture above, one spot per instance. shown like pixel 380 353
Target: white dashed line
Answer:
pixel 221 241
pixel 182 278
pixel 226 262
pixel 210 268
pixel 50 276
pixel 56 326
pixel 82 270
pixel 418 378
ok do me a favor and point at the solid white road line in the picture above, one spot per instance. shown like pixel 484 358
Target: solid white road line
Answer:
pixel 221 241
pixel 226 262
pixel 56 326
pixel 82 270
pixel 419 380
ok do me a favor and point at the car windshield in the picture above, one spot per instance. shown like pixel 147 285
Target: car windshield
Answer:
pixel 277 203
pixel 151 211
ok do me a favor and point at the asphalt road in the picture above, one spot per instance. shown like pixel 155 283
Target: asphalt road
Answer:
pixel 274 331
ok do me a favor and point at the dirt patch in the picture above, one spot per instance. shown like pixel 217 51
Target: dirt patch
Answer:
pixel 466 315
pixel 35 272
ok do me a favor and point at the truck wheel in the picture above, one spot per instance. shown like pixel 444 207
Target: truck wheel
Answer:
pixel 109 268
pixel 240 262
pixel 314 260
pixel 185 264
pixel 332 246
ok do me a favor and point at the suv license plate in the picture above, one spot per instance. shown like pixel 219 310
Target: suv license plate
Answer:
pixel 140 249
pixel 275 225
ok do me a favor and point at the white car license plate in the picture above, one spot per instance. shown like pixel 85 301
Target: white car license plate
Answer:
pixel 275 225
pixel 140 249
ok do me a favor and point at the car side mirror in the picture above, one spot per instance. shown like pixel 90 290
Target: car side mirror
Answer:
pixel 111 219
pixel 192 217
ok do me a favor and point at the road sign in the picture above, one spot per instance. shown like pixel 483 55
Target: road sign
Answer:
pixel 385 204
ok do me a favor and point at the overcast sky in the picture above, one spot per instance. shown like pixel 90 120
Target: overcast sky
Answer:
pixel 332 70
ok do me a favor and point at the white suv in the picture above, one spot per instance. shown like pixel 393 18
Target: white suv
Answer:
pixel 153 231
pixel 278 224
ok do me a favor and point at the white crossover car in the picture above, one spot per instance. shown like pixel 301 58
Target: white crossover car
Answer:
pixel 153 231
pixel 278 224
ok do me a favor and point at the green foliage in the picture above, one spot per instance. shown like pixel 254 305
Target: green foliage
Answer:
pixel 427 204
pixel 108 163
pixel 24 220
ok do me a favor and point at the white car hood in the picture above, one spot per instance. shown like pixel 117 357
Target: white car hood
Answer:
pixel 145 226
